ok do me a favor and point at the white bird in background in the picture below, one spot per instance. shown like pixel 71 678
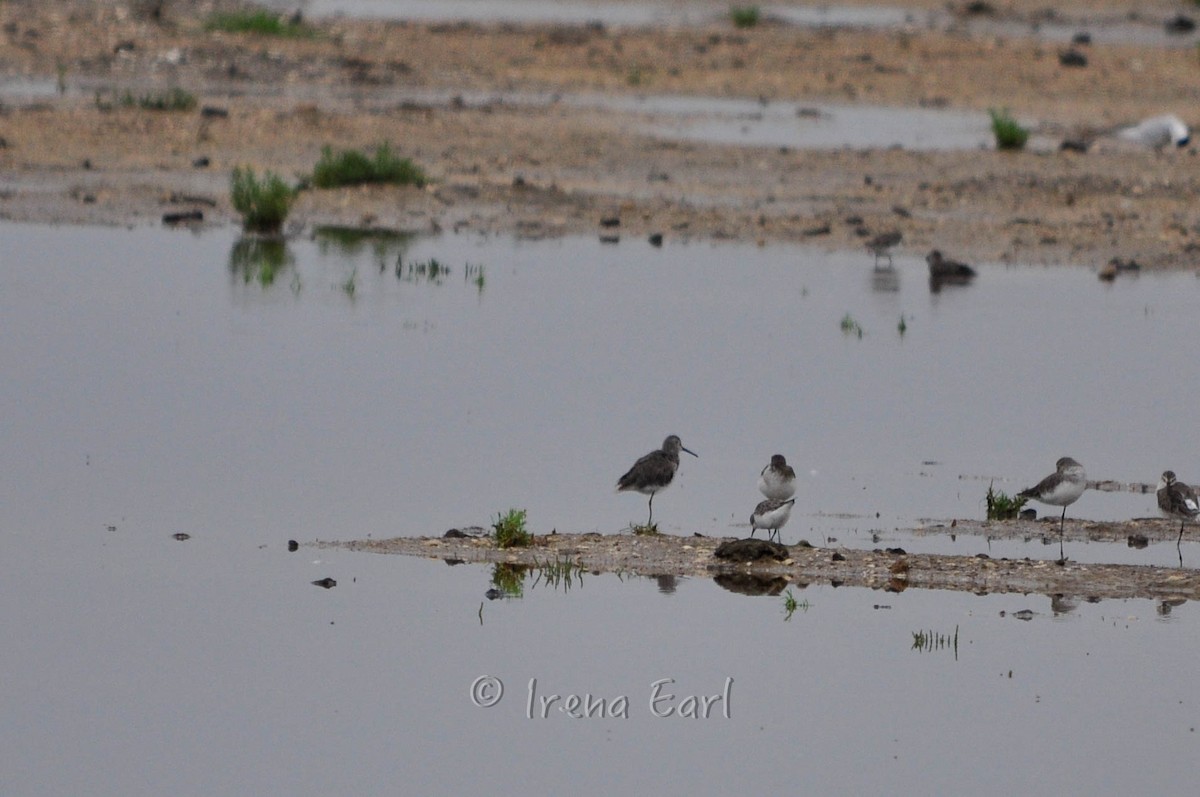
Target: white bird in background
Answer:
pixel 1157 132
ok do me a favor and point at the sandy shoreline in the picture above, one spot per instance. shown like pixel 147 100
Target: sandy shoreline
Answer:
pixel 892 569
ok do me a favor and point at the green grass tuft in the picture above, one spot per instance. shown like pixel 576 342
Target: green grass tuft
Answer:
pixel 790 605
pixel 352 167
pixel 175 99
pixel 509 530
pixel 744 16
pixel 1009 133
pixel 1001 506
pixel 264 204
pixel 262 23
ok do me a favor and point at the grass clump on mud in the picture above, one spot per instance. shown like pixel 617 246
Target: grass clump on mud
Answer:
pixel 1001 506
pixel 174 99
pixel 509 530
pixel 262 23
pixel 353 167
pixel 264 204
pixel 1009 133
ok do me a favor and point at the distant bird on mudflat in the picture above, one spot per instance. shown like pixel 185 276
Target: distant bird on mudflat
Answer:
pixel 1157 132
pixel 944 271
pixel 1177 500
pixel 654 471
pixel 777 480
pixel 771 514
pixel 1061 488
pixel 882 243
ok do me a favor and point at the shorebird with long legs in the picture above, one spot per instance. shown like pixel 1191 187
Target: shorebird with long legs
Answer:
pixel 1177 500
pixel 1061 488
pixel 654 471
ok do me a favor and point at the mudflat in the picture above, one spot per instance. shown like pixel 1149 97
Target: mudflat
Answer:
pixel 484 109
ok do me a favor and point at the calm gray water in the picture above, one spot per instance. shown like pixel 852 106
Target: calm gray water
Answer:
pixel 161 382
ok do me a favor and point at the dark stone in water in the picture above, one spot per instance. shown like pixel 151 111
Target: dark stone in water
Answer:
pixel 656 239
pixel 750 550
pixel 455 534
pixel 293 546
pixel 181 536
pixel 1023 614
pixel 327 583
pixel 493 593
pixel 1138 541
pixel 453 562
pixel 896 551
pixel 1028 514
pixel 837 557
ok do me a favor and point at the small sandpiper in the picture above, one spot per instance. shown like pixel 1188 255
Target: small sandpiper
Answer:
pixel 882 243
pixel 1061 488
pixel 777 480
pixel 1177 500
pixel 654 471
pixel 771 515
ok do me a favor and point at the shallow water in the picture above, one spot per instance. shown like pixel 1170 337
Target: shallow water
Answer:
pixel 161 382
pixel 1144 30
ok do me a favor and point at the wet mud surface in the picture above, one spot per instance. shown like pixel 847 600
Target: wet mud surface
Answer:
pixel 887 569
pixel 448 95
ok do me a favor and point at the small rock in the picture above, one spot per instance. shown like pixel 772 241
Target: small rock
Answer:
pixel 1073 145
pixel 181 536
pixel 293 546
pixel 1138 541
pixel 326 583
pixel 201 163
pixel 656 239
pixel 214 112
pixel 610 221
pixel 493 593
pixel 183 217
pixel 610 239
pixel 1028 514
pixel 1072 57
pixel 837 557
pixel 823 229
pixel 1024 614
pixel 1083 37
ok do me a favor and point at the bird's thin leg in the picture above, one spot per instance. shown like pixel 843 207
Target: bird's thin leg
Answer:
pixel 650 520
pixel 1062 521
pixel 1180 533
